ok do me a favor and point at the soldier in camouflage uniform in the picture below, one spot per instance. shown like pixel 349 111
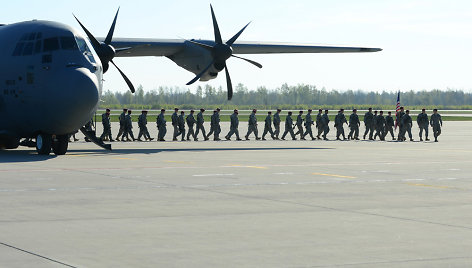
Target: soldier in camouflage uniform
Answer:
pixel 299 125
pixel 407 123
pixel 200 126
pixel 142 124
pixel 436 123
pixel 233 129
pixel 423 124
pixel 252 125
pixel 389 123
pixel 161 125
pixel 339 121
pixel 308 123
pixel 369 124
pixel 191 123
pixel 380 126
pixel 354 124
pixel 106 135
pixel 277 124
pixel 175 124
pixel 325 124
pixel 289 127
pixel 268 126
pixel 128 128
pixel 181 124
pixel 319 124
pixel 122 124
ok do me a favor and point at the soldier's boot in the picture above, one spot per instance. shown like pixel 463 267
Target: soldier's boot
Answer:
pixel 427 139
pixel 411 139
pixel 421 139
pixel 247 138
pixel 227 138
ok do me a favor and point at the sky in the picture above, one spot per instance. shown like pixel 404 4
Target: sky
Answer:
pixel 427 44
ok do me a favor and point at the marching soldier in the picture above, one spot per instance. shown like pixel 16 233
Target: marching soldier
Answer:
pixel 190 123
pixel 128 128
pixel 289 127
pixel 354 125
pixel 406 126
pixel 380 127
pixel 308 123
pixel 142 124
pixel 436 123
pixel 299 125
pixel 252 125
pixel 106 135
pixel 175 124
pixel 423 124
pixel 369 124
pixel 319 124
pixel 200 126
pixel 122 124
pixel 214 125
pixel 234 126
pixel 339 121
pixel 400 115
pixel 161 125
pixel 325 124
pixel 389 123
pixel 181 124
pixel 277 124
pixel 268 126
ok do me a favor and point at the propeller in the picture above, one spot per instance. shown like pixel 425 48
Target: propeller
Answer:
pixel 105 51
pixel 220 52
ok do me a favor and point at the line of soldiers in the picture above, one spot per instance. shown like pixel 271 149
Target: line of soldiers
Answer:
pixel 376 125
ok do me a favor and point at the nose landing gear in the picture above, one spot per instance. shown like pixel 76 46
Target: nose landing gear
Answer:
pixel 46 142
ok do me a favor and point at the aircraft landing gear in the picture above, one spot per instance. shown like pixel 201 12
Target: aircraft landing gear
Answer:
pixel 43 144
pixel 60 144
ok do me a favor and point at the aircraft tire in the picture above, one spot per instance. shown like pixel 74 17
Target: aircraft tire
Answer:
pixel 43 144
pixel 60 145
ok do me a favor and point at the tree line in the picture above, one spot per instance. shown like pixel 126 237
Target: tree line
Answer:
pixel 286 97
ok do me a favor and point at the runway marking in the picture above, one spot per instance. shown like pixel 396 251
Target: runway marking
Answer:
pixel 124 158
pixel 284 173
pixel 430 186
pixel 333 175
pixel 211 175
pixel 257 167
pixel 179 162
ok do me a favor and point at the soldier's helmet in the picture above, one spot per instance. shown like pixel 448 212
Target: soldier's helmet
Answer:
pixel 202 110
pixel 355 110
pixel 289 113
pixel 381 112
pixel 389 112
pixel 124 109
pixel 310 110
pixel 423 110
pixel 192 111
pixel 326 111
pixel 269 112
pixel 435 110
pixel 108 110
pixel 144 111
pixel 176 109
pixel 279 110
pixel 300 112
pixel 163 110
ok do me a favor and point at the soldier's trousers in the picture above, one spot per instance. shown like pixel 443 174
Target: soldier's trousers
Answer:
pixel 379 131
pixel 436 131
pixel 182 132
pixel 308 131
pixel 320 130
pixel 143 131
pixel 121 131
pixel 268 129
pixel 369 129
pixel 202 129
pixel 300 131
pixel 277 131
pixel 389 130
pixel 176 132
pixel 232 131
pixel 128 131
pixel 288 130
pixel 251 129
pixel 215 129
pixel 340 131
pixel 400 132
pixel 425 128
pixel 162 133
pixel 325 131
pixel 191 132
pixel 354 133
pixel 106 133
pixel 404 131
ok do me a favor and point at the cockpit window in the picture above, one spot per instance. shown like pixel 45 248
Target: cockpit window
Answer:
pixel 68 43
pixel 50 44
pixel 28 49
pixel 83 47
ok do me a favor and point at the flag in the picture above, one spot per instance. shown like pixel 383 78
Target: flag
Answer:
pixel 397 111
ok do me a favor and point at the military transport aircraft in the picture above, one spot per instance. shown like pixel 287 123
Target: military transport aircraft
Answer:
pixel 50 74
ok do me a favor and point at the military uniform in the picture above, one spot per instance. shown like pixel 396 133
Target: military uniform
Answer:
pixel 423 124
pixel 339 121
pixel 380 127
pixel 277 125
pixel 143 130
pixel 175 124
pixel 325 124
pixel 400 125
pixel 369 125
pixel 181 123
pixel 200 126
pixel 233 127
pixel 289 127
pixel 299 125
pixel 252 126
pixel 161 126
pixel 389 124
pixel 214 127
pixel 308 123
pixel 128 128
pixel 191 123
pixel 354 124
pixel 436 123
pixel 106 135
pixel 406 126
pixel 121 119
pixel 268 127
pixel 319 124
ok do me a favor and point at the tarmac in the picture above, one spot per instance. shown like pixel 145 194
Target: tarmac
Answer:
pixel 241 204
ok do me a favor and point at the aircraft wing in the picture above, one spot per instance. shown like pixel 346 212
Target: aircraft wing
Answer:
pixel 139 47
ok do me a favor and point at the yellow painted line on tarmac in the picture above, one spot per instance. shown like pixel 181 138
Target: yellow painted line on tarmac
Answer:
pixel 430 186
pixel 249 166
pixel 334 175
pixel 178 162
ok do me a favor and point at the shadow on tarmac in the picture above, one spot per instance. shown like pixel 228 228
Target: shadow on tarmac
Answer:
pixel 18 156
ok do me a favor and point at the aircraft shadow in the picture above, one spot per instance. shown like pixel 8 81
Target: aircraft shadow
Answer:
pixel 16 156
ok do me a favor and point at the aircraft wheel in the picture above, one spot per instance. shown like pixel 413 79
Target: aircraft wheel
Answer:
pixel 43 144
pixel 60 145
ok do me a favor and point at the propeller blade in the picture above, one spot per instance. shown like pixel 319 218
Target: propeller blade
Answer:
pixel 208 47
pixel 112 29
pixel 96 45
pixel 218 39
pixel 229 85
pixel 201 74
pixel 130 85
pixel 248 60
pixel 236 36
pixel 122 49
